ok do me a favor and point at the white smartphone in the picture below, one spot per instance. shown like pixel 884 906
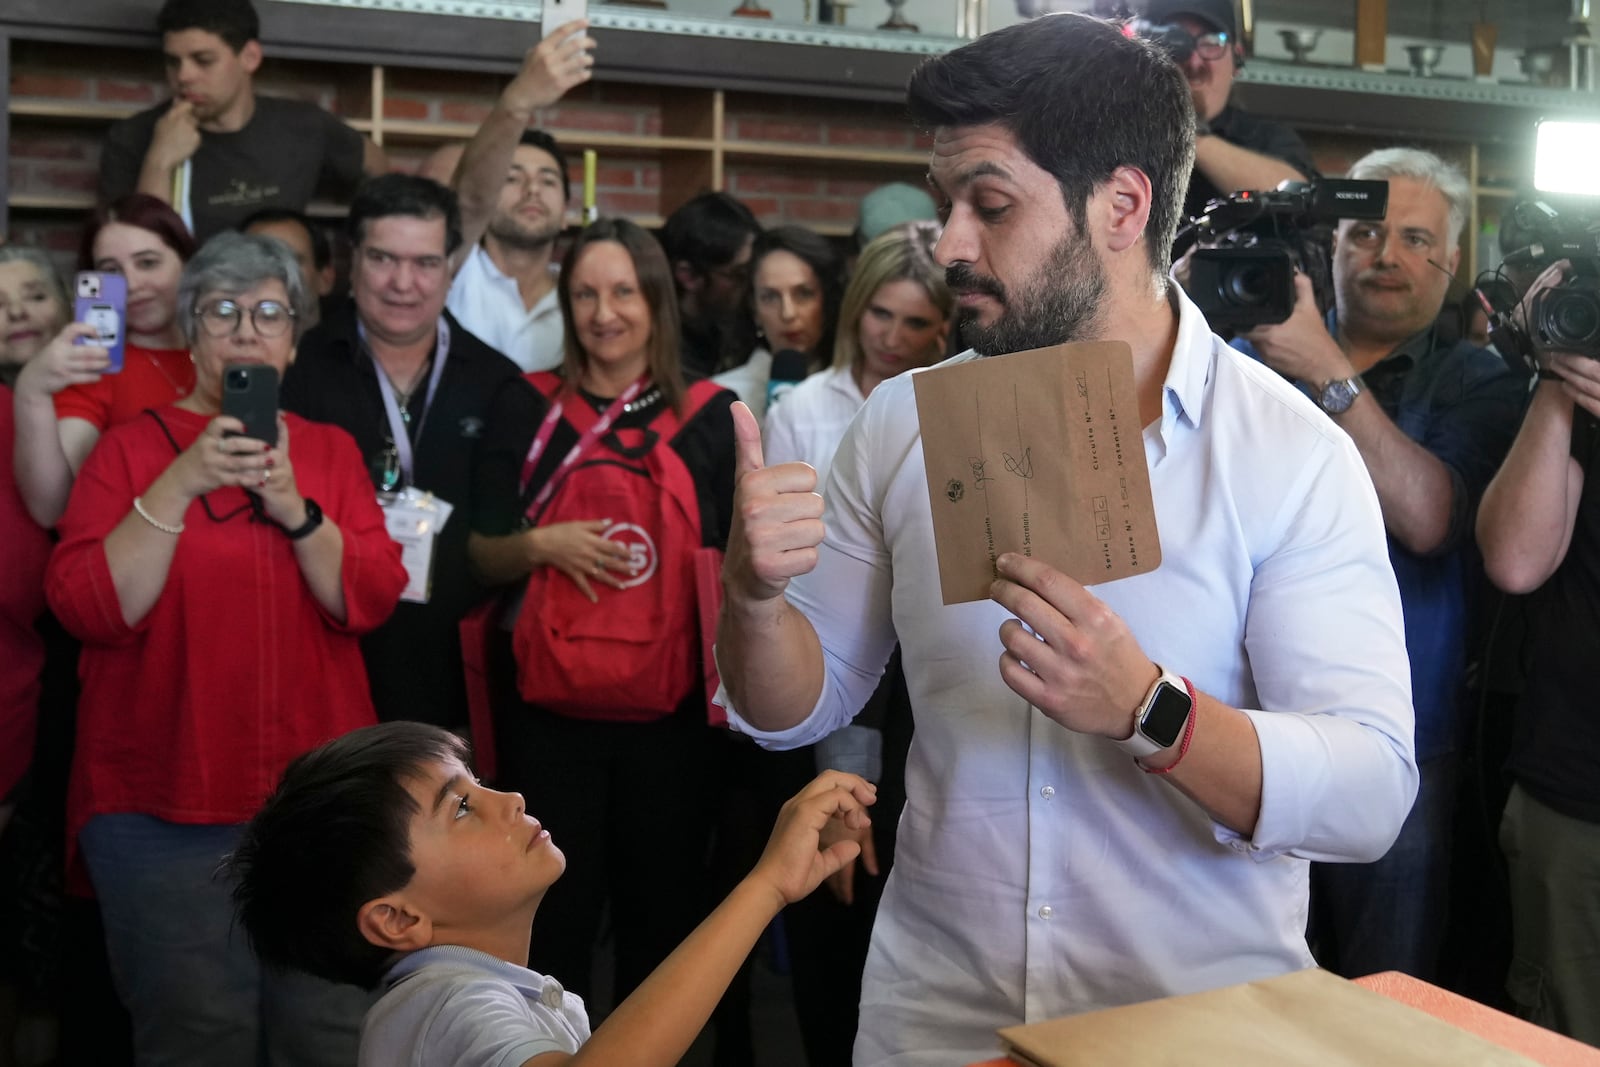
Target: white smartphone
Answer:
pixel 557 13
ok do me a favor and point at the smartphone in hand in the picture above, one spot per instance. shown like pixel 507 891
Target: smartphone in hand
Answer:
pixel 102 302
pixel 557 13
pixel 250 394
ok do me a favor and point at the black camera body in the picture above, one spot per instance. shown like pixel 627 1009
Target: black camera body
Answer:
pixel 1566 316
pixel 1251 244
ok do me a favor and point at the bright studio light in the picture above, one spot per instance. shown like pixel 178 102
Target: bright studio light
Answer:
pixel 1566 157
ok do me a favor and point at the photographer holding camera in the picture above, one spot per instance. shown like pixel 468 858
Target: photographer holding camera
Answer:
pixel 1233 149
pixel 1432 419
pixel 1539 528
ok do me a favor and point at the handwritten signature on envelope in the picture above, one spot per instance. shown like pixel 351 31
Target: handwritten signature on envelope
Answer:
pixel 1041 453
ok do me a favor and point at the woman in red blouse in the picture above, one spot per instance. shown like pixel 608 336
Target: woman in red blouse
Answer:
pixel 219 584
pixel 145 241
pixel 33 309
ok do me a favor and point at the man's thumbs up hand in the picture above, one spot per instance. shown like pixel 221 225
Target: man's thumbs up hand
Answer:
pixel 777 519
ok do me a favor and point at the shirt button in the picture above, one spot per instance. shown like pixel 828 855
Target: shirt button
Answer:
pixel 1045 911
pixel 551 995
pixel 1048 791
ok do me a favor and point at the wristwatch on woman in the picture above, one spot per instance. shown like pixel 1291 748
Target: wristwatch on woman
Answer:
pixel 307 528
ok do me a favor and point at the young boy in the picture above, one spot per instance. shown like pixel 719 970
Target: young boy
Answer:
pixel 380 860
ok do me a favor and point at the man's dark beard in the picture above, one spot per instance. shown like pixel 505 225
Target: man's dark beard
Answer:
pixel 1060 303
pixel 508 232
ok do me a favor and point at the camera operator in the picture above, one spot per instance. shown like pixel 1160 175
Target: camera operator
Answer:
pixel 1432 419
pixel 1539 528
pixel 1233 149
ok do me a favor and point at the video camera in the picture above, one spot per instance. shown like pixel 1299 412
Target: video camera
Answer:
pixel 1250 244
pixel 1566 316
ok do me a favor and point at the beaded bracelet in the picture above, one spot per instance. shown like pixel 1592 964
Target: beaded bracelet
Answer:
pixel 138 506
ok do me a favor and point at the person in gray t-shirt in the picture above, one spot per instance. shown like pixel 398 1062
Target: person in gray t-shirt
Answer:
pixel 381 860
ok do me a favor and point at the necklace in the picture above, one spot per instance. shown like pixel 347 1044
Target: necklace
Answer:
pixel 639 403
pixel 178 391
pixel 403 396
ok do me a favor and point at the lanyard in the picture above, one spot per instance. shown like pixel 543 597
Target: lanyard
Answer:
pixel 399 439
pixel 600 428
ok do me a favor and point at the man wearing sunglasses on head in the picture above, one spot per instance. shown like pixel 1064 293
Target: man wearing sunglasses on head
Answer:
pixel 1233 149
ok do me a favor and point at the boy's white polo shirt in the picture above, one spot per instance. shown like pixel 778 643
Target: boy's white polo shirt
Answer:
pixel 450 1004
pixel 487 302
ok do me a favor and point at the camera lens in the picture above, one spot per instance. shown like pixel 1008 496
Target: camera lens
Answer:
pixel 1572 320
pixel 1247 285
pixel 238 379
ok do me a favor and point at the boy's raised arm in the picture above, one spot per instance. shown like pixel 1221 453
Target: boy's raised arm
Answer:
pixel 657 1024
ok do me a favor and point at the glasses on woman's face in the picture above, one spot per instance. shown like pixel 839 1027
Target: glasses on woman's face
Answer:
pixel 221 318
pixel 1211 46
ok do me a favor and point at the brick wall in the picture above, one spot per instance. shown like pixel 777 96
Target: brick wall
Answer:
pixel 55 159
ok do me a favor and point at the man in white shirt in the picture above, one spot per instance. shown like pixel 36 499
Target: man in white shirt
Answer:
pixel 513 187
pixel 1040 870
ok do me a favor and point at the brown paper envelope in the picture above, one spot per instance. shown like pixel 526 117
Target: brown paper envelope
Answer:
pixel 1041 453
pixel 1309 1018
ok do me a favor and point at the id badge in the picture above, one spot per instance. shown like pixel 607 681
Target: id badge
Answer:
pixel 414 519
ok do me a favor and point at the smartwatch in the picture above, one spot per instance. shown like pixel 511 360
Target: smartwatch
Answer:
pixel 1162 716
pixel 1336 396
pixel 307 528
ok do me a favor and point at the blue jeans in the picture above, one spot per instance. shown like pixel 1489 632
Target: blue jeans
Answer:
pixel 184 968
pixel 1390 915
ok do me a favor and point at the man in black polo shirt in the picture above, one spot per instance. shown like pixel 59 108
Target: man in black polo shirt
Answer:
pixel 1233 149
pixel 216 151
pixel 415 389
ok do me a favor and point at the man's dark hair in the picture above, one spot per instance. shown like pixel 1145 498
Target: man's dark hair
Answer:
pixel 335 834
pixel 321 249
pixel 235 21
pixel 708 231
pixel 389 195
pixel 544 142
pixel 1081 99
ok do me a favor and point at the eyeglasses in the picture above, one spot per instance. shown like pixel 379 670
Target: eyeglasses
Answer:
pixel 1211 46
pixel 221 318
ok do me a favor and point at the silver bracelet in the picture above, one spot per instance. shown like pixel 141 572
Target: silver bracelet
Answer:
pixel 138 506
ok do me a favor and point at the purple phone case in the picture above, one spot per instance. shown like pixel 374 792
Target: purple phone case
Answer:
pixel 102 302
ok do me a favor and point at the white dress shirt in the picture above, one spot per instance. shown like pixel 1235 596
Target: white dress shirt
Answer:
pixel 487 302
pixel 1039 872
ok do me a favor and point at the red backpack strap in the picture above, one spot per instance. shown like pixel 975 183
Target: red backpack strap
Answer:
pixel 667 422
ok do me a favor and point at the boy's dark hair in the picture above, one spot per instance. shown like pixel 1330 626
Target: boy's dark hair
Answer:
pixel 321 248
pixel 235 21
pixel 1081 99
pixel 389 195
pixel 334 835
pixel 708 231
pixel 818 253
pixel 544 142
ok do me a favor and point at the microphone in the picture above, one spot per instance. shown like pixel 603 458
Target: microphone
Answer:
pixel 789 368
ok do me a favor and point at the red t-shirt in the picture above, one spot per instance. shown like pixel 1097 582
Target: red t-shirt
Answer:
pixel 192 714
pixel 27 546
pixel 150 378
